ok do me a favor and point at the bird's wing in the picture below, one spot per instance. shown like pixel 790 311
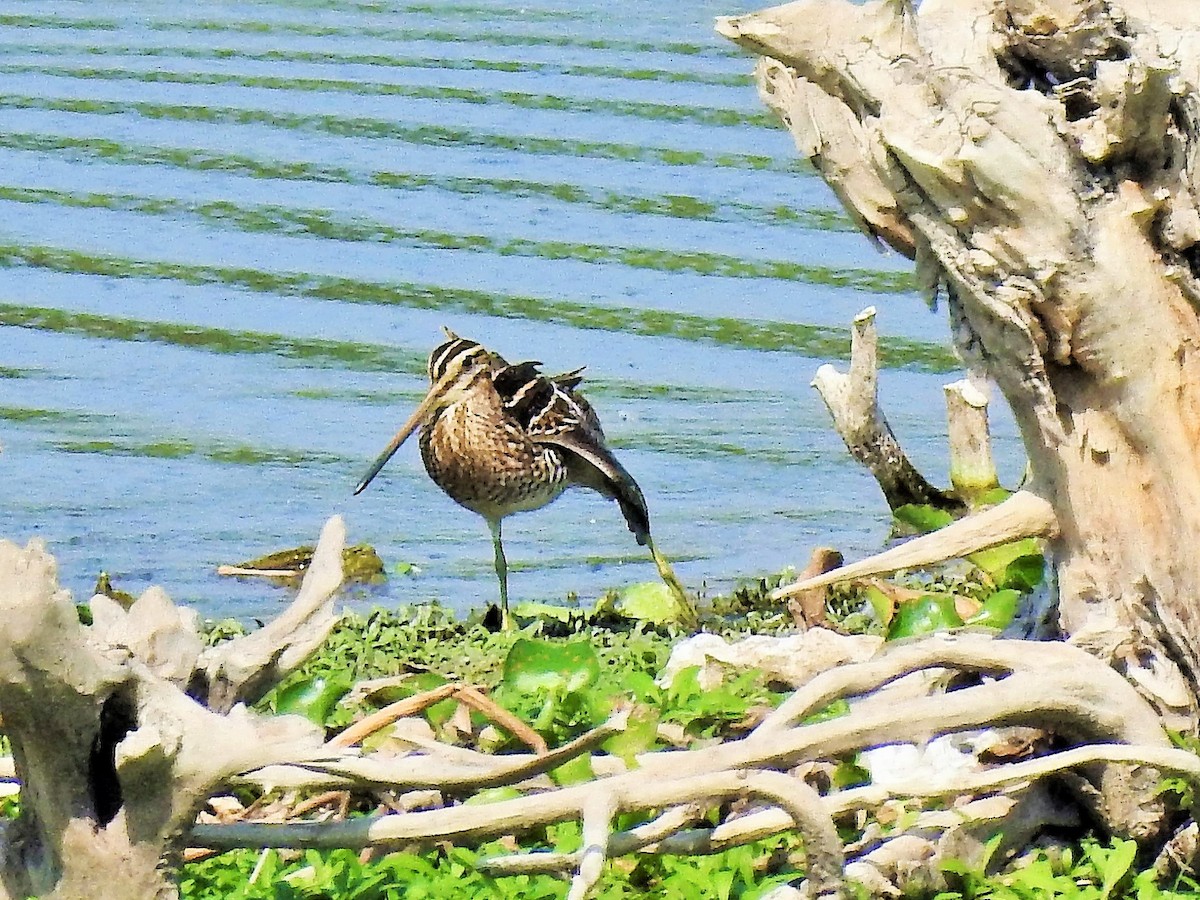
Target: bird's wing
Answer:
pixel 549 411
pixel 592 465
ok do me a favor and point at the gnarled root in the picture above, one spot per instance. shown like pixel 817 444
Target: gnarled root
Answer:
pixel 1115 740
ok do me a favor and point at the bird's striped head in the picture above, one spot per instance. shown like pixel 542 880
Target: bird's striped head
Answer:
pixel 455 369
pixel 456 354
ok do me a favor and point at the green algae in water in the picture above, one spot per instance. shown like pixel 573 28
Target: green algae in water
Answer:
pixel 810 340
pixel 672 205
pixel 308 29
pixel 716 117
pixel 424 135
pixel 402 62
pixel 325 224
pixel 183 449
pixel 57 416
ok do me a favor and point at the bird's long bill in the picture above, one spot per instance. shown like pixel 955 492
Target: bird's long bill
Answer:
pixel 405 431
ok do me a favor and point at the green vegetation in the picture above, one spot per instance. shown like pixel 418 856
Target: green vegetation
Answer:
pixel 562 678
pixel 326 224
pixel 654 111
pixel 494 38
pixel 564 675
pixel 423 135
pixel 403 62
pixel 567 674
pixel 677 206
pixel 809 340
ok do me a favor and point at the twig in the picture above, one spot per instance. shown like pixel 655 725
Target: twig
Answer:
pixel 801 803
pixel 620 843
pixel 243 669
pixel 242 571
pixel 382 718
pixel 1022 515
pixel 597 814
pixel 442 767
pixel 317 802
pixel 502 717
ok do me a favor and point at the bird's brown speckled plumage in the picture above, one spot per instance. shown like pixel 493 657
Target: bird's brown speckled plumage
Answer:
pixel 513 439
pixel 501 439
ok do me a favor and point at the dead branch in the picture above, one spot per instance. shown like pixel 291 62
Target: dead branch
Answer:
pixel 853 401
pixel 165 770
pixel 972 467
pixel 243 669
pixel 113 757
pixel 1022 515
pixel 1054 686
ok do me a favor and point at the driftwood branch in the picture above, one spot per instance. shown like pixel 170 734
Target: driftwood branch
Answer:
pixel 1024 514
pixel 113 756
pixel 1118 742
pixel 243 669
pixel 1039 162
pixel 170 753
pixel 853 400
pixel 972 466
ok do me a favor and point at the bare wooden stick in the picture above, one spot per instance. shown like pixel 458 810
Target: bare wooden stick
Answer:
pixel 853 401
pixel 243 669
pixel 1022 515
pixel 244 572
pixel 382 718
pixel 972 468
pixel 597 813
pixel 802 804
pixel 441 767
pixel 502 717
pixel 620 843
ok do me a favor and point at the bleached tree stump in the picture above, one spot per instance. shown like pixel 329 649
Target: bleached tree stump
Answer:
pixel 1038 160
pixel 114 752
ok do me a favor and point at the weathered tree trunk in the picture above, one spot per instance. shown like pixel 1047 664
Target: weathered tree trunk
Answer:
pixel 1038 159
pixel 112 741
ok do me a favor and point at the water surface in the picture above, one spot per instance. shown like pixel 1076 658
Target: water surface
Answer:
pixel 230 233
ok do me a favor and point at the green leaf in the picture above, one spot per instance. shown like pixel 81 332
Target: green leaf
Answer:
pixel 575 771
pixel 922 517
pixel 848 773
pixel 881 603
pixel 835 710
pixel 997 610
pixel 994 497
pixel 933 612
pixel 538 667
pixel 640 734
pixel 554 612
pixel 493 795
pixel 418 683
pixel 648 601
pixel 313 698
pixel 1114 864
pixel 1024 573
pixel 996 560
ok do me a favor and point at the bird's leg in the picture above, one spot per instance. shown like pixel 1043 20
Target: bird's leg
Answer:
pixel 687 610
pixel 501 572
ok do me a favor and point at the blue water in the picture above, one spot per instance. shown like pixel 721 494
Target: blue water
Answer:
pixel 730 444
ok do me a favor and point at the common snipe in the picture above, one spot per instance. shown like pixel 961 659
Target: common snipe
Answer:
pixel 502 439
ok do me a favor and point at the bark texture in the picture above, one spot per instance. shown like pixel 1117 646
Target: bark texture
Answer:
pixel 1038 160
pixel 114 756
